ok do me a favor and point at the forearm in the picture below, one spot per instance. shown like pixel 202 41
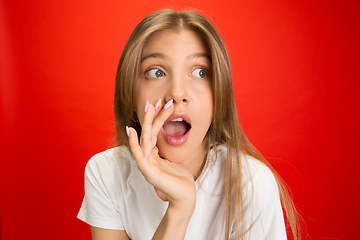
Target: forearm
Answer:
pixel 174 224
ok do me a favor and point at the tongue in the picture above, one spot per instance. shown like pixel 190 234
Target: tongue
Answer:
pixel 175 129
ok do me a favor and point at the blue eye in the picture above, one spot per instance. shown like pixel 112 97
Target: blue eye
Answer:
pixel 200 73
pixel 155 73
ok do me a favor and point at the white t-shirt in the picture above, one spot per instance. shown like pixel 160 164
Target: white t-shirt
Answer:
pixel 117 196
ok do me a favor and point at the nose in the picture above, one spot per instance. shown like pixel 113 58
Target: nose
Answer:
pixel 178 90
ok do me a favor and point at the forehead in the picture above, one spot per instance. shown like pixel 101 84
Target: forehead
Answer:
pixel 175 41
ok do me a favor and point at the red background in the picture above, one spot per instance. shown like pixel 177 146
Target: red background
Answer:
pixel 296 73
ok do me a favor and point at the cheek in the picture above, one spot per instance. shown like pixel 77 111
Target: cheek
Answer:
pixel 205 113
pixel 205 98
pixel 140 101
pixel 148 91
pixel 209 111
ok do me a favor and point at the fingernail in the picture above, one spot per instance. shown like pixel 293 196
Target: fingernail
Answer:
pixel 168 104
pixel 157 104
pixel 146 106
pixel 127 131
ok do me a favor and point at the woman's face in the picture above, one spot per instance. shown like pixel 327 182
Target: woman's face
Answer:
pixel 177 65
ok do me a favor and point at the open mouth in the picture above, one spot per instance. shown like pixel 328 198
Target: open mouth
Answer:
pixel 177 127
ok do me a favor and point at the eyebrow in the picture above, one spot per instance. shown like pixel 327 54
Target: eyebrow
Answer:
pixel 198 55
pixel 162 56
pixel 154 55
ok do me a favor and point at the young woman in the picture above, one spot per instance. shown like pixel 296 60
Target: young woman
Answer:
pixel 182 168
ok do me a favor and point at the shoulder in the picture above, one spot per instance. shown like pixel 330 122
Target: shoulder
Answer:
pixel 254 168
pixel 117 155
pixel 105 179
pixel 251 167
pixel 254 173
pixel 261 198
pixel 261 191
pixel 258 176
pixel 109 162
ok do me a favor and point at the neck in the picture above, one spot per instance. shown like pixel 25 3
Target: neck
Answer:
pixel 196 162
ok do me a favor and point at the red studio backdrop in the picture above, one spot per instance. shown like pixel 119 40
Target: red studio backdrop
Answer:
pixel 296 78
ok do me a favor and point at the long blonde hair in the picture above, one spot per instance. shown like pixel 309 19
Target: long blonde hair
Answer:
pixel 225 128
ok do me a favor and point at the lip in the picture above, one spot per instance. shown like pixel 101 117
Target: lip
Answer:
pixel 177 141
pixel 178 115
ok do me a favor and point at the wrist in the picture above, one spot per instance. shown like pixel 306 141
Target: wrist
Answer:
pixel 184 204
pixel 175 222
pixel 181 211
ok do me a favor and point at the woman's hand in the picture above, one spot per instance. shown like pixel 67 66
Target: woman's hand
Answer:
pixel 174 180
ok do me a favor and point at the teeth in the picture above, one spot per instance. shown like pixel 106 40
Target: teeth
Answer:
pixel 177 120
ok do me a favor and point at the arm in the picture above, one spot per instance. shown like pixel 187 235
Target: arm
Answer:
pixel 174 224
pixel 174 180
pixel 108 234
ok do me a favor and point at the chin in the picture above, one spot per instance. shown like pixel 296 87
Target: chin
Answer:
pixel 176 154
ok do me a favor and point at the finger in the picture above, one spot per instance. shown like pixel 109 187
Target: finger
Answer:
pixel 158 106
pixel 135 148
pixel 160 120
pixel 146 142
